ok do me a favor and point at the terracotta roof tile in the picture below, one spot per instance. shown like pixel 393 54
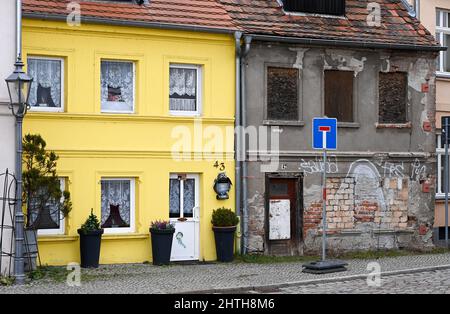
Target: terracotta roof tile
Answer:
pixel 198 13
pixel 262 17
pixel 266 17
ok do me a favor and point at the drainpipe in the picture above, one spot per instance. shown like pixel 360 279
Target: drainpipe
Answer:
pixel 417 8
pixel 237 124
pixel 247 42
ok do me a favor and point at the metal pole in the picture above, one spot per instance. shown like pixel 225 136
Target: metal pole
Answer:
pixel 19 217
pixel 324 205
pixel 446 179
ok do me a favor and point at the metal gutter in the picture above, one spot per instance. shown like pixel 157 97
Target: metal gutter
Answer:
pixel 346 43
pixel 143 24
pixel 244 53
pixel 237 138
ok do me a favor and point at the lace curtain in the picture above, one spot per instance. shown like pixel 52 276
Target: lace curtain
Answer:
pixel 46 86
pixel 188 197
pixel 117 83
pixel 183 89
pixel 174 193
pixel 117 193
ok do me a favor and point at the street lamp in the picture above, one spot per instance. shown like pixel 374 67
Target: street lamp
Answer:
pixel 19 86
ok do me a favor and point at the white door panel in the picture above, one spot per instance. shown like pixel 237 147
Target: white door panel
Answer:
pixel 186 239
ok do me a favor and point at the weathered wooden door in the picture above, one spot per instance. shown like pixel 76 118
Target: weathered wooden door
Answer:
pixel 283 216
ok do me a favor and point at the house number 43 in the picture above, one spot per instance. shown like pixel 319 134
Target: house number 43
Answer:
pixel 219 165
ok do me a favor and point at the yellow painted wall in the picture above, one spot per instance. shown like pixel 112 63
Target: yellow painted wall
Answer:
pixel 92 145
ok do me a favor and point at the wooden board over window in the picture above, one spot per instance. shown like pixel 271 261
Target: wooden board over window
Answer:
pixel 339 95
pixel 282 94
pixel 393 95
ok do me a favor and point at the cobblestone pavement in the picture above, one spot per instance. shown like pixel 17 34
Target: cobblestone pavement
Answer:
pixel 140 278
pixel 429 282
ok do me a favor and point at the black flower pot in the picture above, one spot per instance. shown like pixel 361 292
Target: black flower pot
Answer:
pixel 224 243
pixel 161 246
pixel 90 243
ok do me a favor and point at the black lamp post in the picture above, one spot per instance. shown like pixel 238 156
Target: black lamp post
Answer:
pixel 19 86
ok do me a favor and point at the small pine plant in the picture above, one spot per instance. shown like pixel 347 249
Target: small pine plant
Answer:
pixel 91 224
pixel 224 217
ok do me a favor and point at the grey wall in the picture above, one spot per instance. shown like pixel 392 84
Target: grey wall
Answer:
pixel 399 159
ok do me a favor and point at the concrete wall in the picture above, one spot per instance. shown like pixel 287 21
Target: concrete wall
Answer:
pixel 427 15
pixel 7 58
pixel 380 191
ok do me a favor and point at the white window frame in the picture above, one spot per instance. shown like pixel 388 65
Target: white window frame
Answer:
pixel 132 227
pixel 134 88
pixel 196 177
pixel 47 109
pixel 199 69
pixel 440 32
pixel 62 222
pixel 440 152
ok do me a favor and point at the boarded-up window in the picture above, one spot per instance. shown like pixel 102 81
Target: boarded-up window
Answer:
pixel 282 94
pixel 393 97
pixel 339 95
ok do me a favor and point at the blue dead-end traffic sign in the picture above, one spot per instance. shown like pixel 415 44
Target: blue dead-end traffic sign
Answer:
pixel 325 133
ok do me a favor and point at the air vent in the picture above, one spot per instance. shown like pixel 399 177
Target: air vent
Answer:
pixel 328 7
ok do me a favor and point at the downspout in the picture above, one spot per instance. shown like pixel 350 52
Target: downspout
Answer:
pixel 417 8
pixel 247 42
pixel 237 124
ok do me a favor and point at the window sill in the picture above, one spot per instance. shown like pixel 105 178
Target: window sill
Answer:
pixel 443 75
pixel 407 125
pixel 57 238
pixel 353 125
pixel 129 236
pixel 283 123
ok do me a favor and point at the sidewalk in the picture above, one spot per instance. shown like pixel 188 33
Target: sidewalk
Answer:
pixel 140 278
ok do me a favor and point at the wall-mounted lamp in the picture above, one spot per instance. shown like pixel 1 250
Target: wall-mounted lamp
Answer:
pixel 222 185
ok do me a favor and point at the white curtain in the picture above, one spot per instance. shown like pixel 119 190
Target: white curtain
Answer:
pixel 183 89
pixel 47 74
pixel 120 77
pixel 117 193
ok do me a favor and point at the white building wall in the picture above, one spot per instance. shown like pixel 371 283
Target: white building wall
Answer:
pixel 7 133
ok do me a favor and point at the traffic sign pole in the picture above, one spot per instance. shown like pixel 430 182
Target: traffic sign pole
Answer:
pixel 324 205
pixel 324 133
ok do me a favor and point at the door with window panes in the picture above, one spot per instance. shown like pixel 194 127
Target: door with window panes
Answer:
pixel 184 213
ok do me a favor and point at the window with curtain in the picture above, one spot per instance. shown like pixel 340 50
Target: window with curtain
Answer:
pixel 117 86
pixel 182 197
pixel 443 37
pixel 184 91
pixel 45 214
pixel 46 92
pixel 117 204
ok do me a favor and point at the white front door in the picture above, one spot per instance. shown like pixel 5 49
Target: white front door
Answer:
pixel 184 213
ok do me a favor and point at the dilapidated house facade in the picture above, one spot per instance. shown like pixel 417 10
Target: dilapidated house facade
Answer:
pixel 371 65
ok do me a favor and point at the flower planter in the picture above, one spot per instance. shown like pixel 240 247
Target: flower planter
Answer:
pixel 162 246
pixel 224 237
pixel 90 243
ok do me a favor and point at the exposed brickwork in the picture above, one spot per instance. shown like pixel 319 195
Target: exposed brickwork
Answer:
pixel 347 210
pixel 340 203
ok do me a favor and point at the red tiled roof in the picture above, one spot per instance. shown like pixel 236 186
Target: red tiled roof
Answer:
pixel 198 13
pixel 266 17
pixel 259 17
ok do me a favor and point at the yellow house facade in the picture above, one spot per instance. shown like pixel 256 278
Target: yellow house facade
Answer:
pixel 143 122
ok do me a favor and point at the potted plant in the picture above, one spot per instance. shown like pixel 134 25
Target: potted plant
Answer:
pixel 90 241
pixel 224 223
pixel 162 237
